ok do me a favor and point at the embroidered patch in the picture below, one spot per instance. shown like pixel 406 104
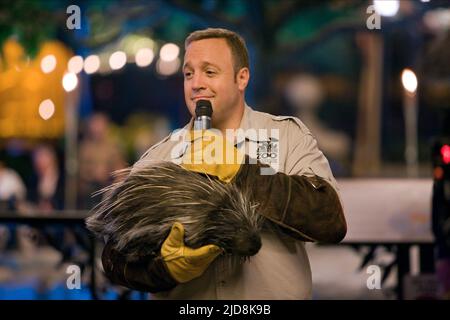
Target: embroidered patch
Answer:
pixel 268 151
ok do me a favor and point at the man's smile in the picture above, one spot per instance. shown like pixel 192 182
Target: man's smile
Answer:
pixel 201 97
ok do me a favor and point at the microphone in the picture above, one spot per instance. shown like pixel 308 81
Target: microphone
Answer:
pixel 203 114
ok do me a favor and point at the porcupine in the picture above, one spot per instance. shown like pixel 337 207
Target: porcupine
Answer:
pixel 138 212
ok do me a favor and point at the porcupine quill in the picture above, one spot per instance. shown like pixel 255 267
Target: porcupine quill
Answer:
pixel 139 211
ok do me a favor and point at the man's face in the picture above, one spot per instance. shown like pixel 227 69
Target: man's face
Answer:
pixel 209 74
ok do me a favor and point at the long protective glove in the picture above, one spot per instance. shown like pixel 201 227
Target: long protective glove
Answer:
pixel 184 263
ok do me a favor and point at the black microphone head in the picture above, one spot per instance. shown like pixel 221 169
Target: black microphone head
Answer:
pixel 203 108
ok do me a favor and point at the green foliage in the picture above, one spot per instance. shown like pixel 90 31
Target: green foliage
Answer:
pixel 30 21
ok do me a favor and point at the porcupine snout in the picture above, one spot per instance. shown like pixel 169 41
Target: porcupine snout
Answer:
pixel 247 245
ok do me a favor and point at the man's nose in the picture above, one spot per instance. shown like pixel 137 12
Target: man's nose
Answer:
pixel 198 82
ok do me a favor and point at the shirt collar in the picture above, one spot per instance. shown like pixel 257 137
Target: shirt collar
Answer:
pixel 249 122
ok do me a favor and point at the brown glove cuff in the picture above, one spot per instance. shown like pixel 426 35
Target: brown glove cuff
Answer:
pixel 148 274
pixel 307 208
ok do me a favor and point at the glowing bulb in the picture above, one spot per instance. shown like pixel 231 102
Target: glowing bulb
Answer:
pixel 46 109
pixel 169 52
pixel 387 8
pixel 144 57
pixel 409 80
pixel 445 152
pixel 91 64
pixel 48 63
pixel 70 81
pixel 75 64
pixel 117 60
pixel 167 68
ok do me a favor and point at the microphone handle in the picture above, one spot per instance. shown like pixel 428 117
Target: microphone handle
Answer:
pixel 202 123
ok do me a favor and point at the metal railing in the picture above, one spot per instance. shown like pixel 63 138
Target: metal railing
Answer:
pixel 70 218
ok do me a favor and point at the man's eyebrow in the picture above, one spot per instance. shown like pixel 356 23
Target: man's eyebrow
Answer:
pixel 204 65
pixel 208 64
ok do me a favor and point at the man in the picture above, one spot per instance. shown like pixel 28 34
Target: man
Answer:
pixel 99 155
pixel 300 198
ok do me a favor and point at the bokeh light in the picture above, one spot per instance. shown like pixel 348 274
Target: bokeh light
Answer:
pixel 387 8
pixel 117 60
pixel 144 57
pixel 70 81
pixel 167 68
pixel 75 64
pixel 46 109
pixel 409 80
pixel 91 64
pixel 169 52
pixel 48 63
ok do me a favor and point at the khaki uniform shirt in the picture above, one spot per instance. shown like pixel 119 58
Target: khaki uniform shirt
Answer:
pixel 280 270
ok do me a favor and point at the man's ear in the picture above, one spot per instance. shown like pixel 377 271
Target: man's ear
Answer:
pixel 242 78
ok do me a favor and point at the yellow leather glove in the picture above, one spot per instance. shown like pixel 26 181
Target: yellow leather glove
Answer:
pixel 184 263
pixel 212 154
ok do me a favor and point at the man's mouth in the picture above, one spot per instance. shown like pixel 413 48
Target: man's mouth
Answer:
pixel 201 97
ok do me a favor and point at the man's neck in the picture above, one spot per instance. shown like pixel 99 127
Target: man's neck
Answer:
pixel 232 123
